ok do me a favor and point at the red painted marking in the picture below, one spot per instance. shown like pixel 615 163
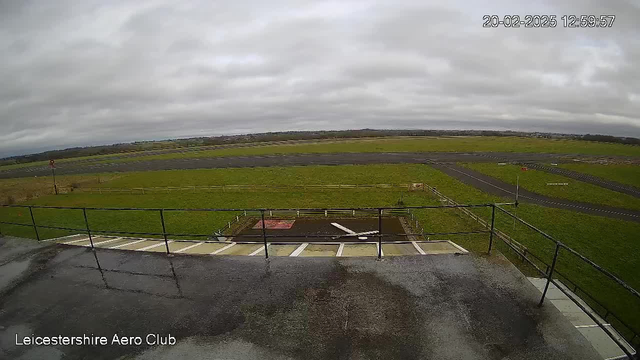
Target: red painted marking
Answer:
pixel 275 224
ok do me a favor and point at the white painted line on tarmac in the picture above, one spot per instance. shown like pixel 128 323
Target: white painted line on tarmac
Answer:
pixel 299 250
pixel 154 245
pixel 418 248
pixel 127 244
pixel 222 249
pixel 261 249
pixel 458 246
pixel 105 242
pixel 75 241
pixel 339 253
pixel 189 247
pixel 61 238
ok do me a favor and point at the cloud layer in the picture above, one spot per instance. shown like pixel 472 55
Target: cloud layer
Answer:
pixel 95 72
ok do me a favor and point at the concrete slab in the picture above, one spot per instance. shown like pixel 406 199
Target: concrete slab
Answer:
pixel 319 250
pixel 205 248
pixel 282 250
pixel 241 249
pixel 240 307
pixel 137 244
pixel 111 244
pixel 438 248
pixel 399 249
pixel 360 250
pixel 602 342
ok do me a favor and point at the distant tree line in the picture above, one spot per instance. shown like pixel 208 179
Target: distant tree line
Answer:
pixel 289 135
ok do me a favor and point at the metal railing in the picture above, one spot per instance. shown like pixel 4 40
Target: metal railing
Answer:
pixel 379 213
pixel 550 270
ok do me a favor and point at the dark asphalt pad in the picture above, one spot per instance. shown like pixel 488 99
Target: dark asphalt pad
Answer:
pixel 419 307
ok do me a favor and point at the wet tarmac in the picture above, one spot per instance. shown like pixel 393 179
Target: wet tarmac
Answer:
pixel 414 307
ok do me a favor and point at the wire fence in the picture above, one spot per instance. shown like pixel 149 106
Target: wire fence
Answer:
pixel 239 187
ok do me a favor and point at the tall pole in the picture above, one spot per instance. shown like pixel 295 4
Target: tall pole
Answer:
pixel 264 236
pixel 379 233
pixel 55 187
pixel 164 231
pixel 86 223
pixel 33 221
pixel 553 266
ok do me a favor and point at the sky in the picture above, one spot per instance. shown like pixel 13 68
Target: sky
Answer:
pixel 87 72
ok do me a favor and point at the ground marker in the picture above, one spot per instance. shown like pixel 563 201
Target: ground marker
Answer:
pixel 340 249
pixel 75 241
pixel 222 249
pixel 127 244
pixel 189 247
pixel 154 245
pixel 261 249
pixel 299 250
pixel 415 245
pixel 105 242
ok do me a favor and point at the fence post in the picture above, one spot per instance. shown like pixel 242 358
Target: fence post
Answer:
pixel 553 266
pixel 379 233
pixel 264 235
pixel 493 221
pixel 86 223
pixel 33 221
pixel 164 231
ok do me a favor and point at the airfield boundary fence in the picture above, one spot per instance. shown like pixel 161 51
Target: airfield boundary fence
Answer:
pixel 630 334
pixel 241 187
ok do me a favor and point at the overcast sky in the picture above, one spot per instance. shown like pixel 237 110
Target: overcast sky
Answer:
pixel 98 72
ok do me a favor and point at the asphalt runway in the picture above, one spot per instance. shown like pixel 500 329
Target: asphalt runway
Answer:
pixel 494 186
pixel 289 160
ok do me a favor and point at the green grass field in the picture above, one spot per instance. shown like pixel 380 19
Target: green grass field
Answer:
pixel 609 242
pixel 536 181
pixel 622 173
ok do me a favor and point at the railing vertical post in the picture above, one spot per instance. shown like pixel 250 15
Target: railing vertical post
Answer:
pixel 264 235
pixel 164 231
pixel 553 266
pixel 86 223
pixel 493 222
pixel 33 221
pixel 379 233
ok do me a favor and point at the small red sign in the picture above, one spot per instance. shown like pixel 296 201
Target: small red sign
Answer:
pixel 52 164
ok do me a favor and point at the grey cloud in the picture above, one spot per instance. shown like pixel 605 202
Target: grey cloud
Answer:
pixel 93 72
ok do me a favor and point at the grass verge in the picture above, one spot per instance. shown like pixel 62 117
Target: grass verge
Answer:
pixel 536 181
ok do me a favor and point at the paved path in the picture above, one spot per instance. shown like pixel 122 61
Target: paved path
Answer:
pixel 498 187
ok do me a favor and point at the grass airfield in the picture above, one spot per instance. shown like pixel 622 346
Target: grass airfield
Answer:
pixel 610 243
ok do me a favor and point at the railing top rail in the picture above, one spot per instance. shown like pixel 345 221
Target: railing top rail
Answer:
pixel 253 209
pixel 574 252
